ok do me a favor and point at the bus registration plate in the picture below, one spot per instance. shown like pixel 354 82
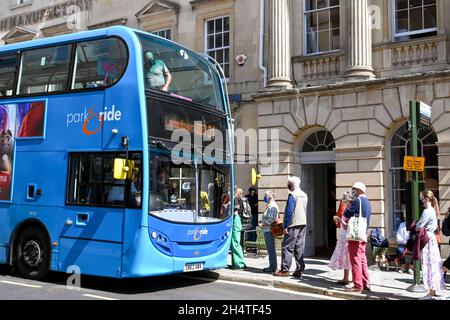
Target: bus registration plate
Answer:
pixel 190 267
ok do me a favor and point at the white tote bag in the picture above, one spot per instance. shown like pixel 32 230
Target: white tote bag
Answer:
pixel 357 227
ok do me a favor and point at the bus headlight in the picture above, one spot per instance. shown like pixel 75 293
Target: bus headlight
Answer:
pixel 154 235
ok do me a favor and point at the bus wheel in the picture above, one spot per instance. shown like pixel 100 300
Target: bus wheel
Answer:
pixel 32 254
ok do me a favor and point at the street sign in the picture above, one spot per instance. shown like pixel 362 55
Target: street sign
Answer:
pixel 425 114
pixel 415 164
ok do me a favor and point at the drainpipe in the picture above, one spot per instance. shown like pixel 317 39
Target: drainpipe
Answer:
pixel 261 42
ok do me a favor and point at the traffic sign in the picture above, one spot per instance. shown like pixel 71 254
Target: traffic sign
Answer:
pixel 416 164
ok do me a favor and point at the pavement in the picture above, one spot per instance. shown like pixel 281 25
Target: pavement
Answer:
pixel 319 279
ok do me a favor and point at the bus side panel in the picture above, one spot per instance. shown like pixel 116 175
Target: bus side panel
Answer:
pixel 90 223
pixel 91 257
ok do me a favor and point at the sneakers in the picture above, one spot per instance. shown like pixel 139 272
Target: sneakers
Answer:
pixel 297 275
pixel 410 271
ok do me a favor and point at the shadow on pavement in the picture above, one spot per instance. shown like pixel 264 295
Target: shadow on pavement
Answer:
pixel 121 286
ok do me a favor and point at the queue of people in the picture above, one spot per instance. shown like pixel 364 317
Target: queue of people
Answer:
pixel 350 252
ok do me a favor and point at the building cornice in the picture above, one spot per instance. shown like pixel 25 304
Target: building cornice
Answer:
pixel 354 86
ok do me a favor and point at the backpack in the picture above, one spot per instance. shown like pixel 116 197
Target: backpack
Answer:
pixel 377 240
pixel 446 226
pixel 246 209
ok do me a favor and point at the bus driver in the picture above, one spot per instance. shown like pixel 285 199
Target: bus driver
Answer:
pixel 158 75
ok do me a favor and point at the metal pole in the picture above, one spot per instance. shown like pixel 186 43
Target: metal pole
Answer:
pixel 413 108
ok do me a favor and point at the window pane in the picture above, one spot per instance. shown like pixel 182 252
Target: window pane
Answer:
pixel 401 4
pixel 324 41
pixel 218 41
pixel 226 39
pixel 310 5
pixel 416 19
pixel 322 4
pixel 402 21
pixel 311 42
pixel 99 63
pixel 334 3
pixel 8 65
pixel 210 42
pixel 311 22
pixel 334 15
pixel 324 20
pixel 210 27
pixel 415 3
pixel 226 24
pixel 335 39
pixel 430 17
pixel 219 27
pixel 45 70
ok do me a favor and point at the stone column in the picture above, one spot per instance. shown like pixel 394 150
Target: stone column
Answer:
pixel 360 41
pixel 280 45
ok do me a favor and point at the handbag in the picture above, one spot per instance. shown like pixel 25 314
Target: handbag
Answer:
pixel 357 227
pixel 276 228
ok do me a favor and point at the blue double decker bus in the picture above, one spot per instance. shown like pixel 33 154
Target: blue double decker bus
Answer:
pixel 99 168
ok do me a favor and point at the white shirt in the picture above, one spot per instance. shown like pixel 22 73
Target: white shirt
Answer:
pixel 402 234
pixel 428 220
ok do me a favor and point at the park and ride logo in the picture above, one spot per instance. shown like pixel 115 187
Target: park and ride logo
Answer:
pixel 197 233
pixel 91 120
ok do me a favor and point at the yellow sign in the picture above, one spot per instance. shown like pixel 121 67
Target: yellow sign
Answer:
pixel 414 164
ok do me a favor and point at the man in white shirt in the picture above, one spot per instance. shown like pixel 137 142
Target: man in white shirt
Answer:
pixel 402 239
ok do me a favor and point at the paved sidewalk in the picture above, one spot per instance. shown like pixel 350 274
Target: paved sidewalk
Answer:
pixel 319 279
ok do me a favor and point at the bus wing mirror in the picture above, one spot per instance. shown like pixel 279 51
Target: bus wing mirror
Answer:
pixel 120 169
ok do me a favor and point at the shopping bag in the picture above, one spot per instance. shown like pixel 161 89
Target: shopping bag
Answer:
pixel 357 227
pixel 277 228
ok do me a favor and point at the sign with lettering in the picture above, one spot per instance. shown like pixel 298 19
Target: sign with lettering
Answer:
pixel 415 164
pixel 35 17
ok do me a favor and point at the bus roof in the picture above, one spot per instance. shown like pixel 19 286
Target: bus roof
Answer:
pixel 72 37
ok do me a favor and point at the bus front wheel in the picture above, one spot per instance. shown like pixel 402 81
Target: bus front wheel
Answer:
pixel 32 254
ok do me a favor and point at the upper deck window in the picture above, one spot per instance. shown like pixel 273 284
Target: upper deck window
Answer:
pixel 8 65
pixel 171 68
pixel 45 70
pixel 99 63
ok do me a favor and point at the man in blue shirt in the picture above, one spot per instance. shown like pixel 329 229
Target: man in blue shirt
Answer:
pixel 357 249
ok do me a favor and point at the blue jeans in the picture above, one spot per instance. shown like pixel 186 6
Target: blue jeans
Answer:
pixel 270 245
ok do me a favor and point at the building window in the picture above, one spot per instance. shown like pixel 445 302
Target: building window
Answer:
pixel 319 141
pixel 322 23
pixel 8 65
pixel 217 36
pixel 415 19
pixel 400 147
pixel 164 33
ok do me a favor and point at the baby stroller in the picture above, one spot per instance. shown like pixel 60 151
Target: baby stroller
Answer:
pixel 380 246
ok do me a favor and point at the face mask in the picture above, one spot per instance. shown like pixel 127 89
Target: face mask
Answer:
pixel 266 199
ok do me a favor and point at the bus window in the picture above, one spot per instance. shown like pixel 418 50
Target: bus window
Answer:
pixel 45 70
pixel 99 63
pixel 91 181
pixel 184 74
pixel 8 65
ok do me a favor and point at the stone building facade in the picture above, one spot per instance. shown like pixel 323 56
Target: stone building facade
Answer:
pixel 333 77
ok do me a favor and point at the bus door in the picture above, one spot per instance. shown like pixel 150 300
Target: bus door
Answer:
pixel 93 235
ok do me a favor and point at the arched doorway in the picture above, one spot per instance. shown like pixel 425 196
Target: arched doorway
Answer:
pixel 399 148
pixel 318 174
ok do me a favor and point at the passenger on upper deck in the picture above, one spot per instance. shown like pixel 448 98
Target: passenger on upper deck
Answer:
pixel 158 75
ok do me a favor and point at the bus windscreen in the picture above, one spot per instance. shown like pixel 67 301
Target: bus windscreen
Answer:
pixel 179 72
